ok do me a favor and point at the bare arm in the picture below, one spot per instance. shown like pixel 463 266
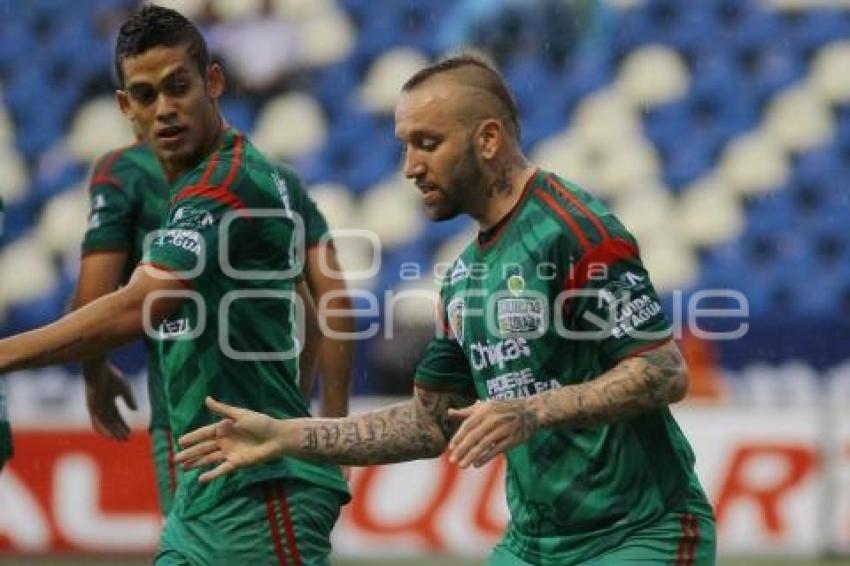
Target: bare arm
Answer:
pixel 336 352
pixel 103 324
pixel 309 354
pixel 100 274
pixel 651 380
pixel 419 428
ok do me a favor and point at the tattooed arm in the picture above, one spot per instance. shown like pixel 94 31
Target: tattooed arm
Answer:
pixel 635 385
pixel 419 428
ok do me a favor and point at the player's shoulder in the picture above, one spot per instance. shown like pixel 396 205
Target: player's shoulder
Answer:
pixel 115 166
pixel 577 218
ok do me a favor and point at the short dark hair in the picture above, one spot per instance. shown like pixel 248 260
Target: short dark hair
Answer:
pixel 156 26
pixel 491 80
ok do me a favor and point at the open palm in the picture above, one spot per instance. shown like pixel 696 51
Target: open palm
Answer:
pixel 242 438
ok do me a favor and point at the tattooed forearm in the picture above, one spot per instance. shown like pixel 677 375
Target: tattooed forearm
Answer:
pixel 634 386
pixel 419 428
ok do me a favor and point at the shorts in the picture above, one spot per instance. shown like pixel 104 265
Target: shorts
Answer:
pixel 165 472
pixel 274 522
pixel 683 537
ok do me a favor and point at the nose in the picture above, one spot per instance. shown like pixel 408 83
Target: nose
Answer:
pixel 166 109
pixel 413 166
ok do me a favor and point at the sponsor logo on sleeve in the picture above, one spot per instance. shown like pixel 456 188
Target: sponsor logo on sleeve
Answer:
pixel 455 312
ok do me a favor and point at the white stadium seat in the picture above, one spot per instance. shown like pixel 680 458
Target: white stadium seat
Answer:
pixel 26 271
pixel 710 213
pixel 192 9
pixel 828 74
pixel 230 10
pixel 393 211
pixel 13 174
pixel 798 119
pixel 98 127
pixel 326 37
pixel 290 126
pixel 336 203
pixel 381 89
pixel 753 164
pixel 63 221
pixel 653 75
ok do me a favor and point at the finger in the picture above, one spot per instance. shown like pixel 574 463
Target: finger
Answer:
pixel 194 452
pixel 461 414
pixel 495 450
pixel 129 398
pixel 197 435
pixel 99 427
pixel 486 443
pixel 213 458
pixel 220 470
pixel 465 427
pixel 120 429
pixel 223 409
pixel 468 436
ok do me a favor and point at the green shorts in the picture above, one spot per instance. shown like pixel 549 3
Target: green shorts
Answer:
pixel 274 522
pixel 683 537
pixel 162 449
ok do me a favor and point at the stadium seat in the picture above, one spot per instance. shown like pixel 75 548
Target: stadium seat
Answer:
pixel 63 221
pixel 798 119
pixel 653 75
pixel 326 37
pixel 710 213
pixel 234 10
pixel 393 211
pixel 192 9
pixel 336 203
pixel 97 127
pixel 386 76
pixel 290 125
pixel 14 178
pixel 26 271
pixel 753 164
pixel 828 76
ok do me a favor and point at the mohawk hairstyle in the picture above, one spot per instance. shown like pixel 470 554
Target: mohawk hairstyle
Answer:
pixel 156 26
pixel 489 79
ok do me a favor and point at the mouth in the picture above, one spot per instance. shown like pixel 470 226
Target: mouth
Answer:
pixel 171 134
pixel 430 193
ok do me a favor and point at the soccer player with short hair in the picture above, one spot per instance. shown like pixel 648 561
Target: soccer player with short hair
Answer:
pixel 554 351
pixel 129 199
pixel 218 284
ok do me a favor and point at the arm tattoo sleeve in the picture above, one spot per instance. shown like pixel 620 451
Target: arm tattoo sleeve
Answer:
pixel 418 428
pixel 635 385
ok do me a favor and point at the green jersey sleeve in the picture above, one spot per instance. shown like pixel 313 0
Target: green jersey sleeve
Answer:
pixel 294 196
pixel 110 214
pixel 190 239
pixel 610 299
pixel 444 366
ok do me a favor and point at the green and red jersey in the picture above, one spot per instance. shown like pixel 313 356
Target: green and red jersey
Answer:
pixel 129 198
pixel 235 236
pixel 556 295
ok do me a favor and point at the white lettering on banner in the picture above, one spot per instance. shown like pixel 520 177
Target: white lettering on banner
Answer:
pixel 22 521
pixel 76 499
pixel 485 355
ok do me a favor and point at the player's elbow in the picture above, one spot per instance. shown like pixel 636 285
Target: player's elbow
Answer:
pixel 678 387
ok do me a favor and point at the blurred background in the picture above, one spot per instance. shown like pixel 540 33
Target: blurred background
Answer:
pixel 717 130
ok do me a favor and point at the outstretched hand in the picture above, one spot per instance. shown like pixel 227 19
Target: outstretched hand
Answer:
pixel 242 438
pixel 488 429
pixel 104 385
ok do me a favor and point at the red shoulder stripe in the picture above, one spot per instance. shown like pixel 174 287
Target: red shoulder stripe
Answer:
pixel 606 253
pixel 566 217
pixel 580 206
